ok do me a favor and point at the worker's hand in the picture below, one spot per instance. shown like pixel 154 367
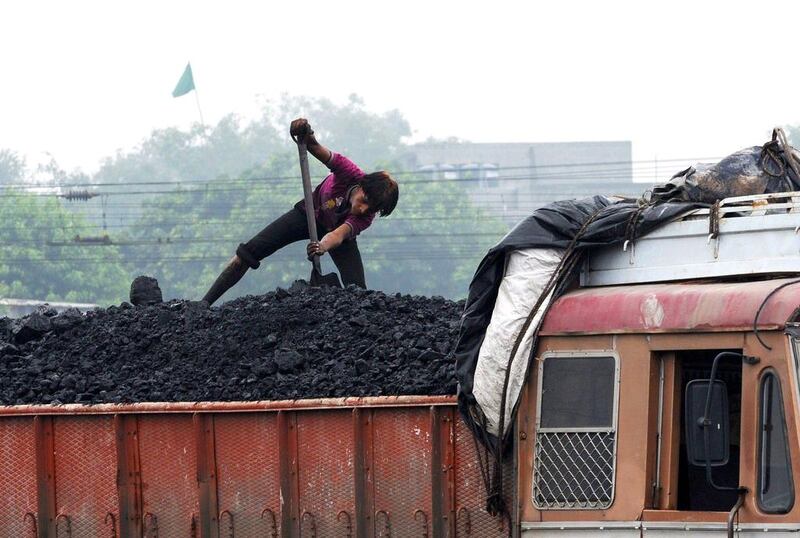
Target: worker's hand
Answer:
pixel 301 129
pixel 314 248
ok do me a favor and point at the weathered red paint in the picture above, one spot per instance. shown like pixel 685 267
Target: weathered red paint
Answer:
pixel 169 463
pixel 443 510
pixel 85 463
pixel 207 475
pixel 18 495
pixel 45 476
pixel 128 518
pixel 364 477
pixel 324 467
pixel 672 307
pixel 246 452
pixel 326 477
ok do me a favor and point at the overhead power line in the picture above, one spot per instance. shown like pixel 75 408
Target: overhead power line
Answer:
pixel 106 241
pixel 404 256
pixel 643 164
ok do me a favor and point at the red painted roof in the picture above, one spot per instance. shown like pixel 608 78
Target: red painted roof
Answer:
pixel 672 307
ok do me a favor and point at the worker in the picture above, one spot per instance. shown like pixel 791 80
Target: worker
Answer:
pixel 345 204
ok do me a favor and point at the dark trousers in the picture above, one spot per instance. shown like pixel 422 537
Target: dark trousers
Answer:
pixel 291 227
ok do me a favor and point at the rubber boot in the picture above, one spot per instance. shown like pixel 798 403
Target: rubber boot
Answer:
pixel 229 276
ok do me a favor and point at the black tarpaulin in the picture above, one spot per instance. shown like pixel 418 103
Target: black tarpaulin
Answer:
pixel 553 226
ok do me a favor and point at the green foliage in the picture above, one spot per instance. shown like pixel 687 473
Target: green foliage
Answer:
pixel 38 259
pixel 365 137
pixel 12 167
pixel 199 153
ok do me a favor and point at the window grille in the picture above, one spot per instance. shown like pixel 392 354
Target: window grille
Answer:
pixel 575 448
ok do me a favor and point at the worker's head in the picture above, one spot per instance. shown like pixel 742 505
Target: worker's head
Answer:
pixel 376 193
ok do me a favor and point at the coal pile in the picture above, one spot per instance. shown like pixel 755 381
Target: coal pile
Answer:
pixel 288 344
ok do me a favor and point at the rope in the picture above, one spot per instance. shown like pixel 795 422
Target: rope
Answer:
pixel 788 154
pixel 484 469
pixel 768 154
pixel 630 229
pixel 778 152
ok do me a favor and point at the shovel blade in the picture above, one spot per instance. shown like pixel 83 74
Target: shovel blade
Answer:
pixel 330 280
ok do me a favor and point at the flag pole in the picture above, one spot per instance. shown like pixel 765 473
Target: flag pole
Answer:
pixel 197 98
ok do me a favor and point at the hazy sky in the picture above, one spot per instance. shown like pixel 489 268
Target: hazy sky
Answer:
pixel 679 79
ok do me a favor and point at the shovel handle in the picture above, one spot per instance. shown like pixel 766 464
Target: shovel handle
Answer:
pixel 309 200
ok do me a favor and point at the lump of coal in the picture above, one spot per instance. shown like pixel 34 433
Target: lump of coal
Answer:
pixel 46 310
pixel 7 349
pixel 31 327
pixel 288 360
pixel 145 291
pixel 66 319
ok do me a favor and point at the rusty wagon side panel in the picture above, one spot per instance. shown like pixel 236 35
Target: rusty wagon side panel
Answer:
pixel 387 466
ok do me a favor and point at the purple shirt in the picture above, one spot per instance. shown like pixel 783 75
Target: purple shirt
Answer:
pixel 331 197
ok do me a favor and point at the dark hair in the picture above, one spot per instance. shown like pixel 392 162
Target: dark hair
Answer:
pixel 381 192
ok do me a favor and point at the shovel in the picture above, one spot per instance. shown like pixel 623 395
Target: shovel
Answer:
pixel 317 278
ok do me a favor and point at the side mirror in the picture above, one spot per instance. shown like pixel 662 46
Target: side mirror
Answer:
pixel 697 394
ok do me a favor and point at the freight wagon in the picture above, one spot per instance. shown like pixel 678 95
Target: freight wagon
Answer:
pixel 651 409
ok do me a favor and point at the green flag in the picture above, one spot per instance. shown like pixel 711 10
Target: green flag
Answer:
pixel 186 83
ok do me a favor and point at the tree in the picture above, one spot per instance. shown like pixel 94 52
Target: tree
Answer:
pixel 41 259
pixel 12 167
pixel 200 153
pixel 366 137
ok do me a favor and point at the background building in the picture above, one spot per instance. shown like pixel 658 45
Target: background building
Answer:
pixel 514 179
